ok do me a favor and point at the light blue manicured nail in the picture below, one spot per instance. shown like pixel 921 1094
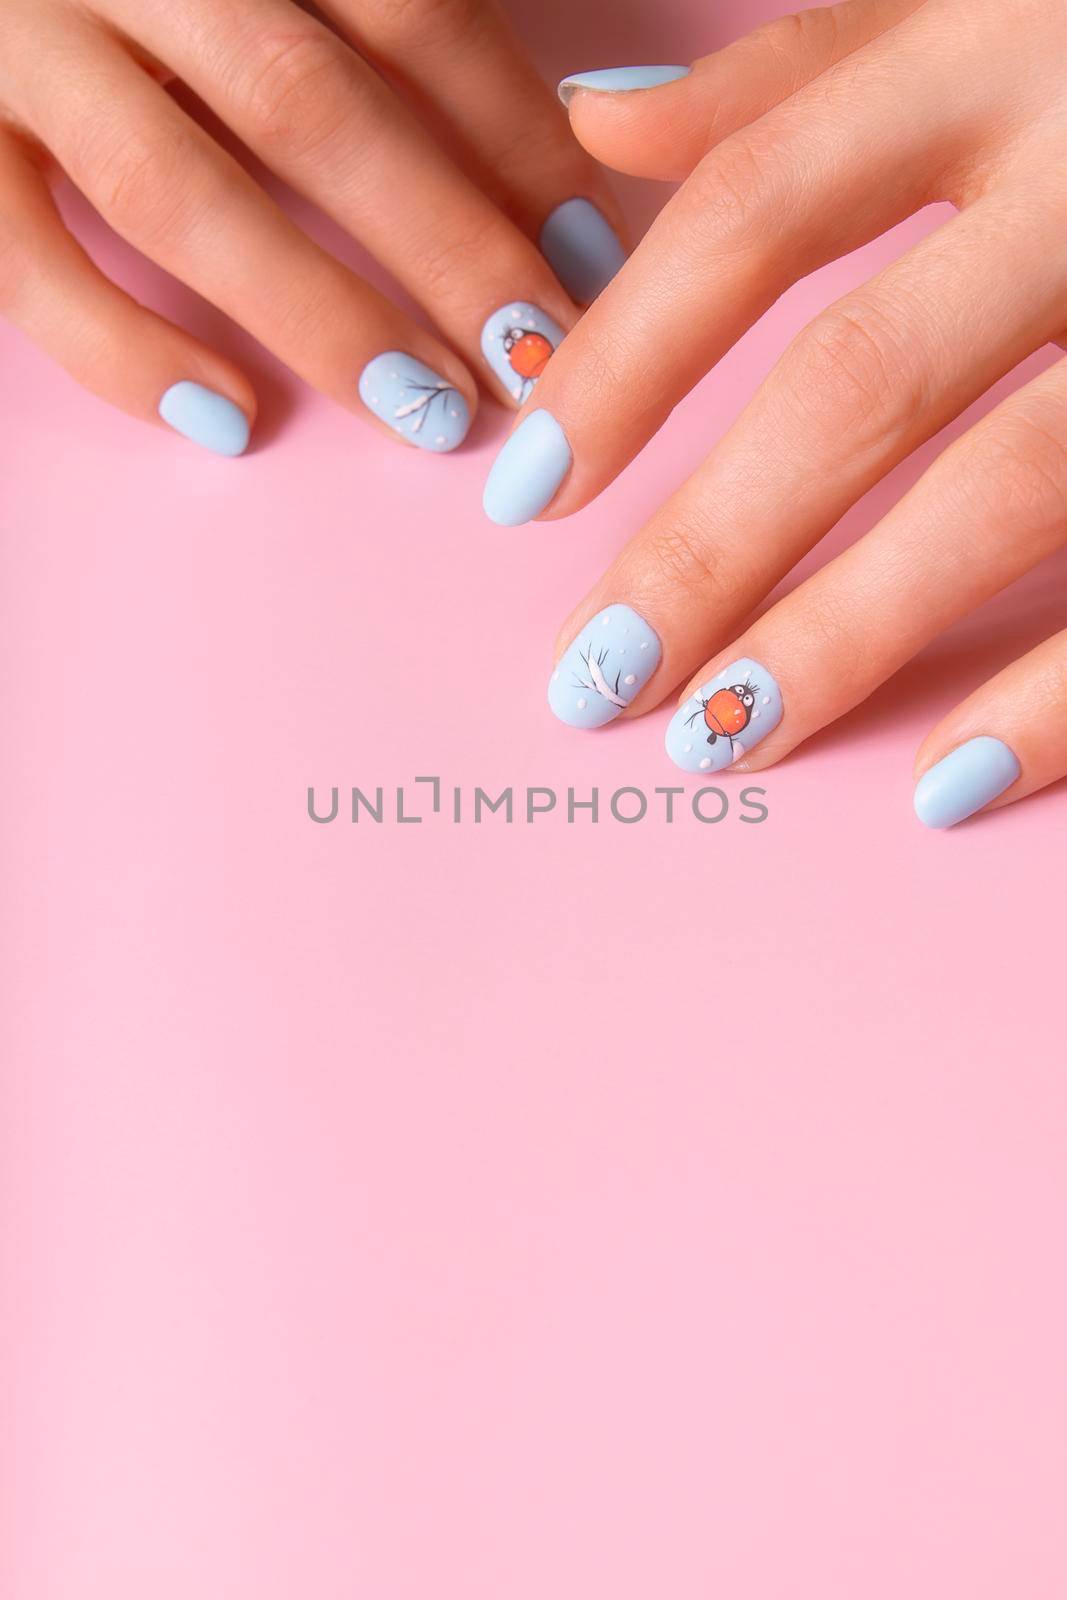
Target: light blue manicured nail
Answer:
pixel 582 248
pixel 619 80
pixel 528 471
pixel 727 716
pixel 965 781
pixel 205 417
pixel 415 401
pixel 609 662
pixel 517 341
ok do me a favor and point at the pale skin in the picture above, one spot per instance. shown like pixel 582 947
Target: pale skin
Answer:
pixel 418 125
pixel 795 145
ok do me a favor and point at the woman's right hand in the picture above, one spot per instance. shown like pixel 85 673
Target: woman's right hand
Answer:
pixel 356 119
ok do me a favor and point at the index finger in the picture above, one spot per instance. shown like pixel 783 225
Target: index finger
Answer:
pixel 811 180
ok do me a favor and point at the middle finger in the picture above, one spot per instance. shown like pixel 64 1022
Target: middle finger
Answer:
pixel 325 122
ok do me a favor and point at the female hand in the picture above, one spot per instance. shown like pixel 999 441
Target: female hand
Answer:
pixel 359 120
pixel 797 145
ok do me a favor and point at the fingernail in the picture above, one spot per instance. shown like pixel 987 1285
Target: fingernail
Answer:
pixel 619 80
pixel 965 781
pixel 609 663
pixel 414 401
pixel 517 341
pixel 582 248
pixel 725 719
pixel 205 417
pixel 527 472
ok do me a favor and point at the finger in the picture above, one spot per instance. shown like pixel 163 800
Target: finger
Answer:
pixel 163 184
pixel 858 390
pixel 122 352
pixel 664 135
pixel 809 181
pixel 326 122
pixel 992 506
pixel 1005 741
pixel 461 63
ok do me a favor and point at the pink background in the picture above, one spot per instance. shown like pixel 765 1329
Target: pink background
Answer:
pixel 492 1213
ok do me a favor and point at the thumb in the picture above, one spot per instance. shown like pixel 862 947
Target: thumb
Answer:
pixel 657 122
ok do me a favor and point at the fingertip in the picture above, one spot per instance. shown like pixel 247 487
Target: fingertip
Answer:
pixel 206 417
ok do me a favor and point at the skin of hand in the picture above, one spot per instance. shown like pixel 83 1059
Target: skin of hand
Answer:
pixel 796 145
pixel 400 118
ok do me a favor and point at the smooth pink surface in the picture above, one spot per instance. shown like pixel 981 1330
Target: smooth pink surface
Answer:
pixel 492 1213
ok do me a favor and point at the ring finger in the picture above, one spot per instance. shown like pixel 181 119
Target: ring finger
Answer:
pixel 991 507
pixel 168 188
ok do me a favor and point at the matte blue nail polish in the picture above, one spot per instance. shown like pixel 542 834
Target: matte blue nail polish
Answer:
pixel 205 417
pixel 414 401
pixel 517 341
pixel 528 471
pixel 609 662
pixel 964 781
pixel 582 248
pixel 619 80
pixel 727 717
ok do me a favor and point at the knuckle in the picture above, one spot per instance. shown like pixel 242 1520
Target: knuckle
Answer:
pixel 140 177
pixel 802 40
pixel 298 313
pixel 1017 467
pixel 853 373
pixel 445 258
pixel 727 197
pixel 296 91
pixel 834 625
pixel 681 556
pixel 424 22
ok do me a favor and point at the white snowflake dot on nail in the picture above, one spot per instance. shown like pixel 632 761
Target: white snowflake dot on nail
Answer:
pixel 582 702
pixel 452 411
pixel 605 620
pixel 766 699
pixel 631 677
pixel 644 644
pixel 394 375
pixel 687 749
pixel 756 712
pixel 440 439
pixel 705 764
pixel 516 312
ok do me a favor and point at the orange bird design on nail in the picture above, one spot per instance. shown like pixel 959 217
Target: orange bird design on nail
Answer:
pixel 527 352
pixel 727 712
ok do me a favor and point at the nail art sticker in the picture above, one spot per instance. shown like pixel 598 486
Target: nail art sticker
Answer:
pixel 517 341
pixel 725 719
pixel 414 401
pixel 609 662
